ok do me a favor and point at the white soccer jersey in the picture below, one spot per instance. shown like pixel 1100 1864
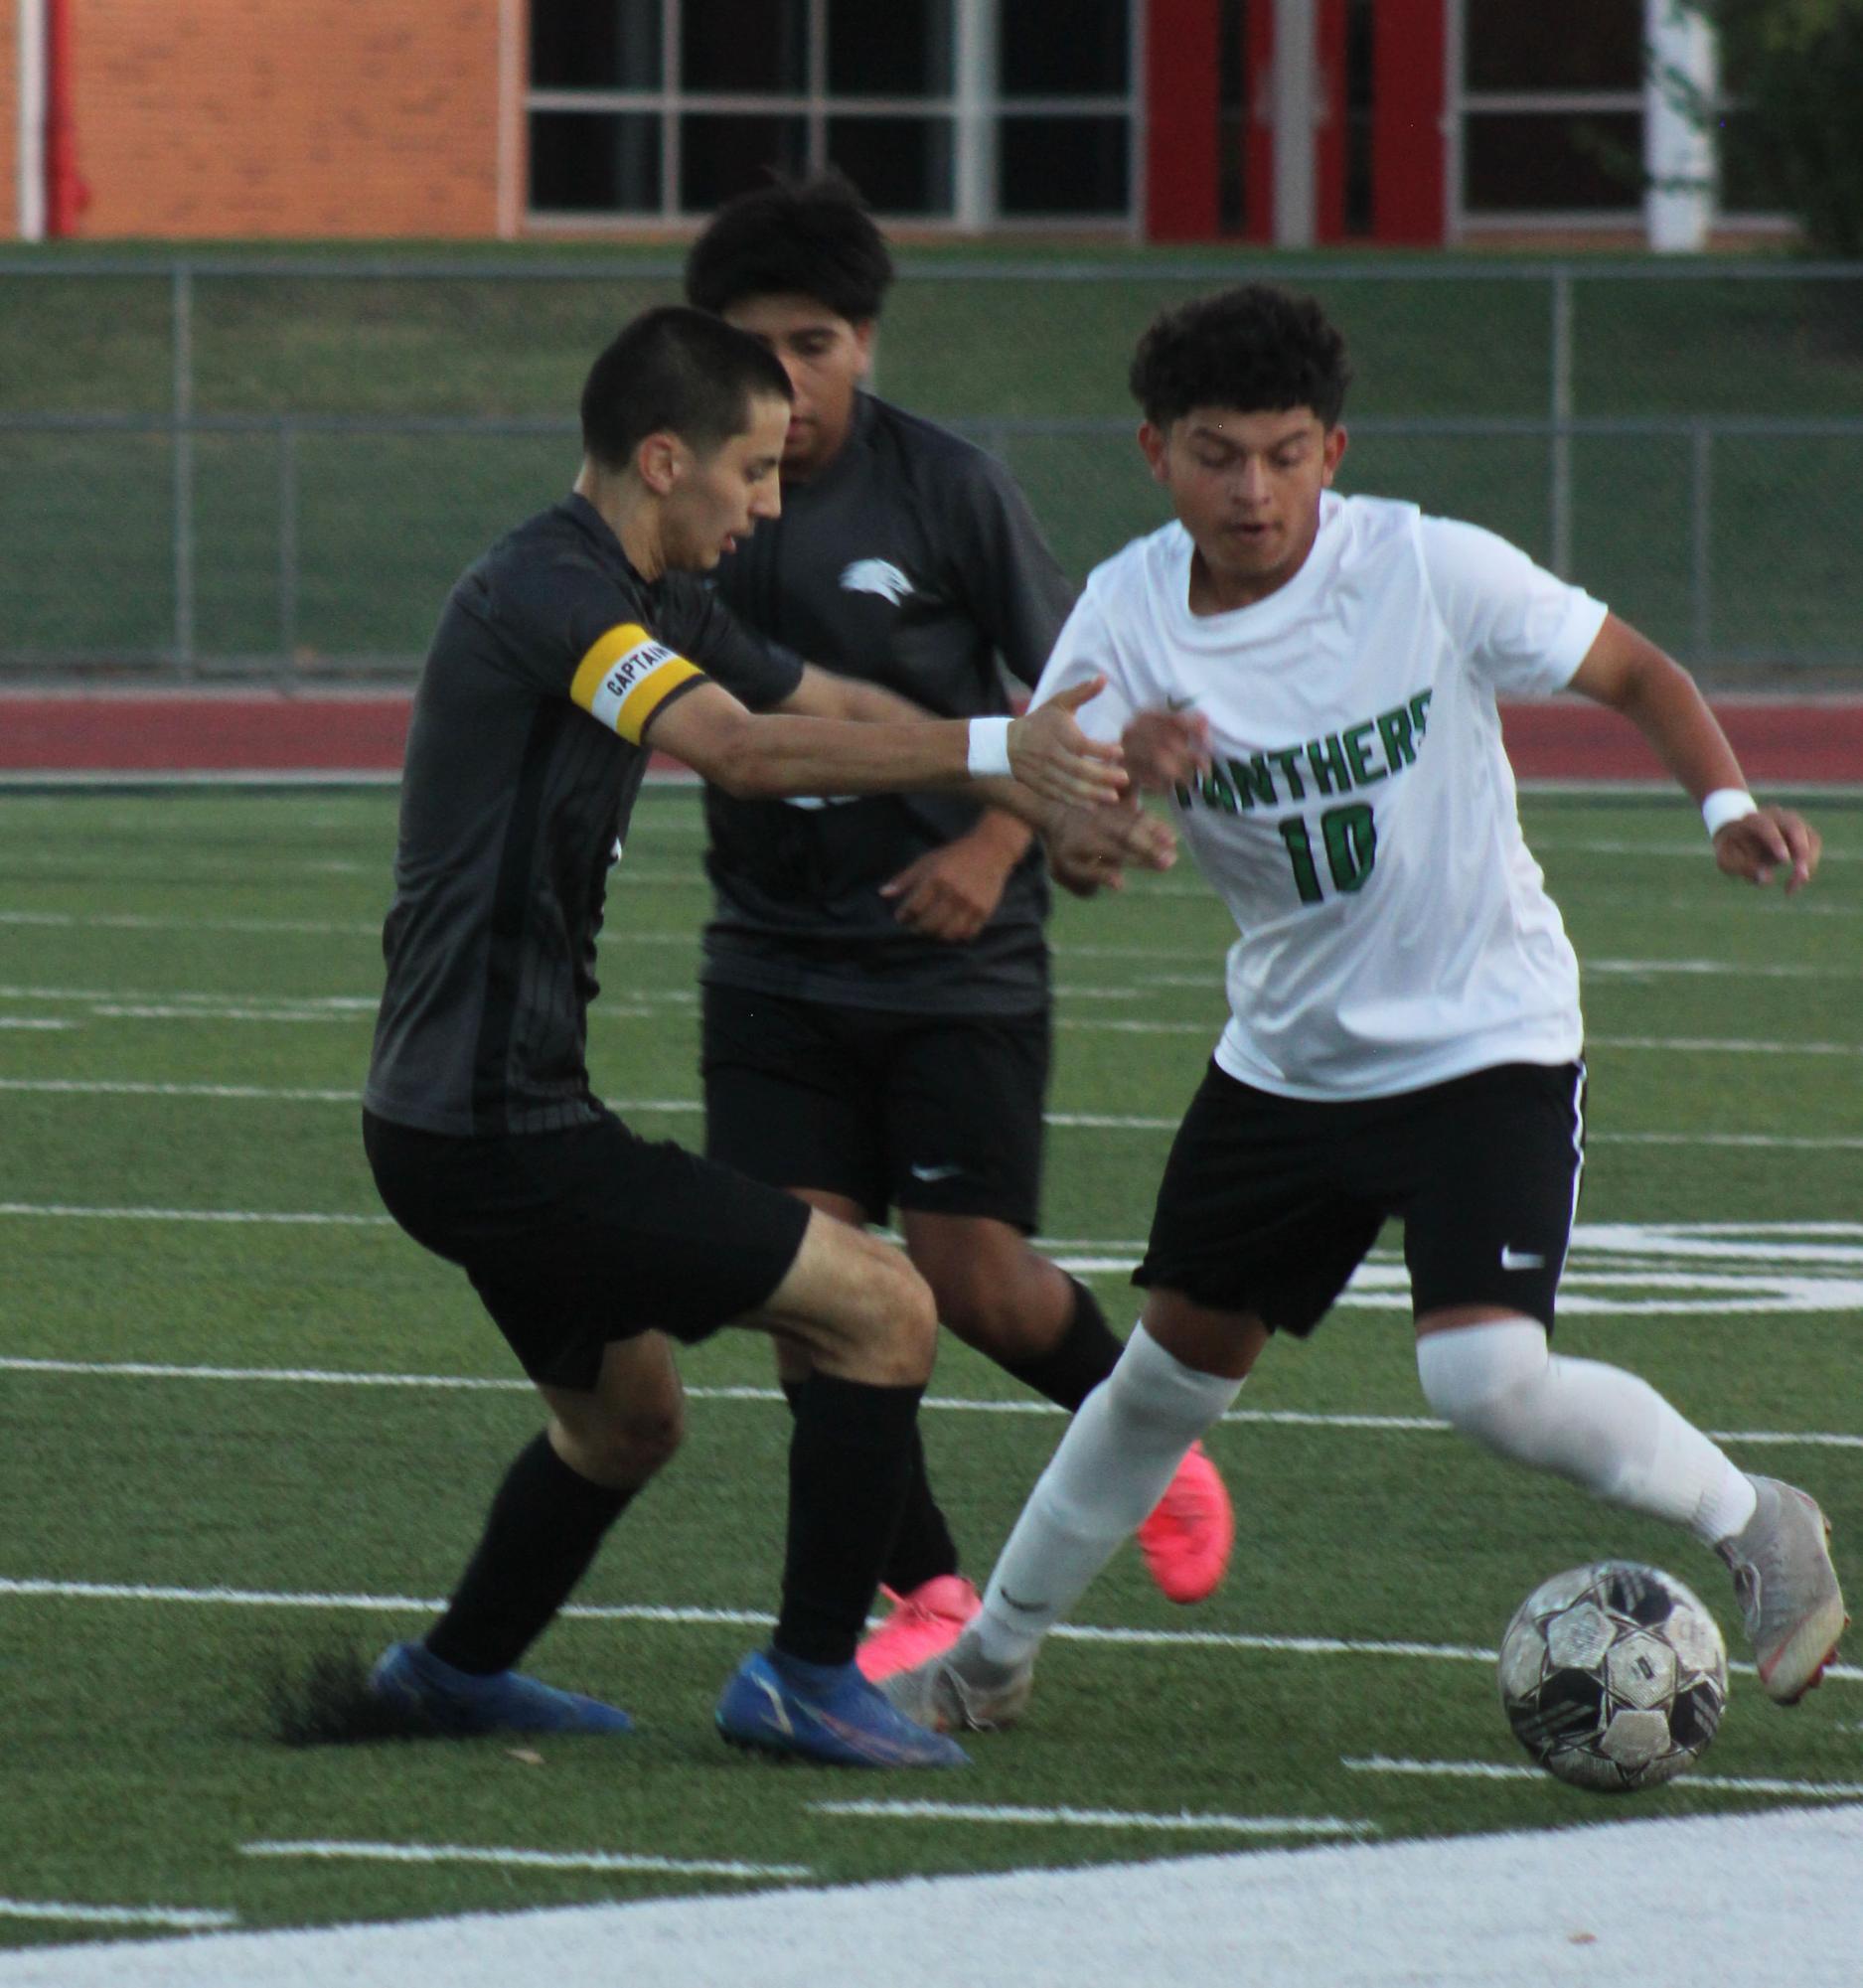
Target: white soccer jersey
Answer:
pixel 1359 819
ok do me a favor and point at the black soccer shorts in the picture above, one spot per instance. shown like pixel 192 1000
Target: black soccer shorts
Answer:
pixel 1269 1204
pixel 576 1239
pixel 940 1112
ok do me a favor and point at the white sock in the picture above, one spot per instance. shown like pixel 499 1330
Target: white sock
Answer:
pixel 1600 1426
pixel 1120 1450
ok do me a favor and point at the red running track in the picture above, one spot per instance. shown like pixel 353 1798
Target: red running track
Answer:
pixel 1815 742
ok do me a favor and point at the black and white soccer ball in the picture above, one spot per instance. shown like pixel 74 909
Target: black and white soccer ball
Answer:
pixel 1614 1676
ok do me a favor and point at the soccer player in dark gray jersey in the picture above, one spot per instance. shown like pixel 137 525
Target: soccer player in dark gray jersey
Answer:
pixel 876 1001
pixel 562 658
pixel 514 810
pixel 908 559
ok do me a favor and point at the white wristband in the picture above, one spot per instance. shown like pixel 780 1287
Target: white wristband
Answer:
pixel 1724 804
pixel 989 748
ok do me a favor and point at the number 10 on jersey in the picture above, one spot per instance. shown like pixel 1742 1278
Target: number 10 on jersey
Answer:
pixel 1349 836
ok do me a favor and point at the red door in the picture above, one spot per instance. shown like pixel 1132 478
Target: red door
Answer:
pixel 1378 140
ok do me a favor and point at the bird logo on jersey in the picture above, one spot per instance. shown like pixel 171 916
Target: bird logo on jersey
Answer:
pixel 876 577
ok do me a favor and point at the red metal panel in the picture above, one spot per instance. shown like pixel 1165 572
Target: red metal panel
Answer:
pixel 1258 191
pixel 1329 122
pixel 1409 148
pixel 67 195
pixel 1180 89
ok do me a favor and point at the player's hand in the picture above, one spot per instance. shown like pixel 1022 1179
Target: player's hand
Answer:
pixel 1090 849
pixel 952 893
pixel 1049 754
pixel 1758 847
pixel 1165 749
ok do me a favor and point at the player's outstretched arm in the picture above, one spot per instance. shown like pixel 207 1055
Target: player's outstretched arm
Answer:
pixel 1627 671
pixel 775 754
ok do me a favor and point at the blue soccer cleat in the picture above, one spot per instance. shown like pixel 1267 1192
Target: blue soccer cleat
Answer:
pixel 409 1677
pixel 824 1712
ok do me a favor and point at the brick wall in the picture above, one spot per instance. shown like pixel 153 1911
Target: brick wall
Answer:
pixel 286 117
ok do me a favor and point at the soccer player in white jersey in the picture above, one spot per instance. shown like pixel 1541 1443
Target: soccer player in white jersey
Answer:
pixel 1312 678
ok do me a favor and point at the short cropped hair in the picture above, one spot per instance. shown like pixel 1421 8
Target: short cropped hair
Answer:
pixel 680 371
pixel 812 239
pixel 1255 348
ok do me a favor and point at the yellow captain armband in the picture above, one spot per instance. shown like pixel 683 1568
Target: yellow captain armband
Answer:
pixel 626 676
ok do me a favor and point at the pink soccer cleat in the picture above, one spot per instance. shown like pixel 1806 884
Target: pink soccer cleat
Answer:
pixel 1187 1540
pixel 923 1624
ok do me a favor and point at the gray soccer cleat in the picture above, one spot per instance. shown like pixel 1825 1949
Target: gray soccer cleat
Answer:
pixel 961 1691
pixel 1788 1589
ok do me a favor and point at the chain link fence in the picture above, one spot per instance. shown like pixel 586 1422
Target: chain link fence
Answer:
pixel 272 469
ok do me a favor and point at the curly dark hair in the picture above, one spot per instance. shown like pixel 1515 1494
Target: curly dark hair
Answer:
pixel 1255 348
pixel 809 239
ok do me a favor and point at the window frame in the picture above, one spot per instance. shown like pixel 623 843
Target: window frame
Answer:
pixel 972 105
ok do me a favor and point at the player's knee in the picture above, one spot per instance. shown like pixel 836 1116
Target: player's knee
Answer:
pixel 863 1310
pixel 1484 1379
pixel 624 1450
pixel 907 1319
pixel 897 1319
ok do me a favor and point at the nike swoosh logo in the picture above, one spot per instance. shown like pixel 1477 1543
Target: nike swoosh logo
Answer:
pixel 1027 1608
pixel 1513 1259
pixel 779 1712
pixel 935 1172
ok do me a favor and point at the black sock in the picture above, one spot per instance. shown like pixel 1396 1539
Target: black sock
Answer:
pixel 922 1548
pixel 848 1462
pixel 1088 1353
pixel 539 1536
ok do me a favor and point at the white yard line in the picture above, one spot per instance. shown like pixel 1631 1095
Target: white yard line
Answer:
pixel 175 1919
pixel 1379 1287
pixel 67 1211
pixel 1491 1770
pixel 105 1087
pixel 131 921
pixel 1098 1818
pixel 371 1604
pixel 529 1859
pixel 678 1618
pixel 1722 1045
pixel 1282 1417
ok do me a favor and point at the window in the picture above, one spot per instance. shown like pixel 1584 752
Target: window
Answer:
pixel 1064 48
pixel 1064 75
pixel 759 45
pixel 615 47
pixel 660 109
pixel 901 49
pixel 1064 166
pixel 583 163
pixel 1580 162
pixel 1551 112
pixel 1591 45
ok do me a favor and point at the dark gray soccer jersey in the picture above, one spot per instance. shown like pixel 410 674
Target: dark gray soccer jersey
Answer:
pixel 523 758
pixel 912 562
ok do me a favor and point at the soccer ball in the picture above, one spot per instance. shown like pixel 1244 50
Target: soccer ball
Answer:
pixel 1613 1676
